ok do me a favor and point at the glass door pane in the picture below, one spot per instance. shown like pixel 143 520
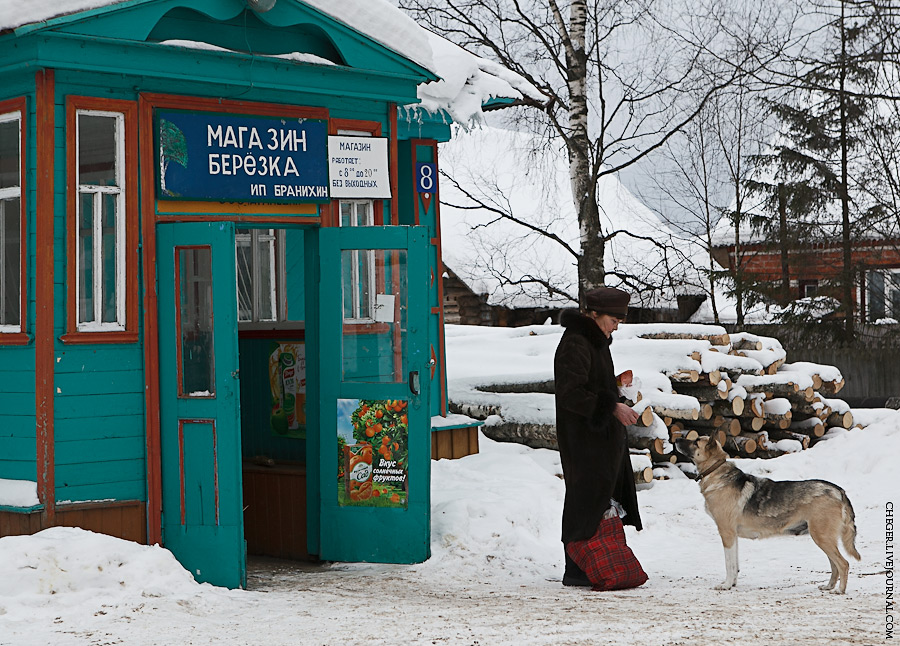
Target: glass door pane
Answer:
pixel 196 357
pixel 373 346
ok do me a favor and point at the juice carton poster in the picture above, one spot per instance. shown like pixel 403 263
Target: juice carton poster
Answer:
pixel 373 452
pixel 287 379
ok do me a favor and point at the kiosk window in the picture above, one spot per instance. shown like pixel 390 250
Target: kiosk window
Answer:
pixel 10 223
pixel 358 265
pixel 259 278
pixel 100 231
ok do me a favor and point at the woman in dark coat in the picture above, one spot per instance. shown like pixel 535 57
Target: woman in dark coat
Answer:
pixel 590 422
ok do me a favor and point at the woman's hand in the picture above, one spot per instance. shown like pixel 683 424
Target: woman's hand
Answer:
pixel 625 414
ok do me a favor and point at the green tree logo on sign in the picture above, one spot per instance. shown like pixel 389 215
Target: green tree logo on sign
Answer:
pixel 172 147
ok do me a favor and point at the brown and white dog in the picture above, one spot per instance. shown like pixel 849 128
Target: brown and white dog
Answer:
pixel 743 505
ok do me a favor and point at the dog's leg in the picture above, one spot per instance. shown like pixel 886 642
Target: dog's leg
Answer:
pixel 826 537
pixel 834 576
pixel 730 543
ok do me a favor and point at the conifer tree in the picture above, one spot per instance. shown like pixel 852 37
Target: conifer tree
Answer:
pixel 812 176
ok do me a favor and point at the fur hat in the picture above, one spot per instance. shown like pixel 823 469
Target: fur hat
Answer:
pixel 608 300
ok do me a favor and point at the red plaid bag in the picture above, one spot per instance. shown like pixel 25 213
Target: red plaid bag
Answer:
pixel 608 562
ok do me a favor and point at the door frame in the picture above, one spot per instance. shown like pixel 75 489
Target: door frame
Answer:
pixel 325 516
pixel 296 214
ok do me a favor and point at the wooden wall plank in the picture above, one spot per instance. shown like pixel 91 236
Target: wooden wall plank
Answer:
pixel 87 406
pixel 15 404
pixel 473 440
pixel 275 512
pixel 92 452
pixel 18 524
pixel 105 382
pixel 20 469
pixel 460 442
pixel 454 443
pixel 18 426
pixel 444 444
pixel 134 489
pixel 105 472
pixel 88 360
pixel 17 449
pixel 125 520
pixel 134 525
pixel 16 381
pixel 100 427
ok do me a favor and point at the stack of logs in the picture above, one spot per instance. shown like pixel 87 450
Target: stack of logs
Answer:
pixel 750 407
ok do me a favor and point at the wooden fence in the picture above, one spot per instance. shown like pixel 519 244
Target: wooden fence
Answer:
pixel 871 375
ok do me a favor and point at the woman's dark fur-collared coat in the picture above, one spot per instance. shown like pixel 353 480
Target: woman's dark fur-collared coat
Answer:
pixel 592 446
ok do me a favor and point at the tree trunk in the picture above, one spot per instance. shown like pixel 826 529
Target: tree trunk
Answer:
pixel 783 235
pixel 581 172
pixel 847 296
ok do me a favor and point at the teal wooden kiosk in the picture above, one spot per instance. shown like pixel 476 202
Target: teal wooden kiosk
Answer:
pixel 220 306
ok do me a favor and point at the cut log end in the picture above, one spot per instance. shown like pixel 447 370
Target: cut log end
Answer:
pixel 643 476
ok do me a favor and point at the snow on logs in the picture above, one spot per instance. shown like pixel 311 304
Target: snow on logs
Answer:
pixel 690 380
pixel 737 388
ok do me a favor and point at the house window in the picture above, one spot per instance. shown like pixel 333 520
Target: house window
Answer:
pixel 883 294
pixel 809 288
pixel 100 236
pixel 358 265
pixel 102 222
pixel 11 223
pixel 260 278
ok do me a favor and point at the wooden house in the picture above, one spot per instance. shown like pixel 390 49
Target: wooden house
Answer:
pixel 815 270
pixel 221 308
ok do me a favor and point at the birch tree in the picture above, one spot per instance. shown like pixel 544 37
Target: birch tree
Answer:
pixel 622 77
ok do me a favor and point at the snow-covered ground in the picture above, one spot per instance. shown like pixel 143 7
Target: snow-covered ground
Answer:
pixel 493 578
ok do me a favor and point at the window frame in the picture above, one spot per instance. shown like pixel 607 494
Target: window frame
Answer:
pixel 276 262
pixel 805 286
pixel 890 277
pixel 18 334
pixel 126 238
pixel 355 127
pixel 371 270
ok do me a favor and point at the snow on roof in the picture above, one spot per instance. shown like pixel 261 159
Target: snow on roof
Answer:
pixel 496 165
pixel 378 19
pixel 823 225
pixel 385 23
pixel 299 57
pixel 466 82
pixel 15 13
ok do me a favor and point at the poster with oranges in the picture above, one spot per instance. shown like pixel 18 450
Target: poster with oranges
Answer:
pixel 373 452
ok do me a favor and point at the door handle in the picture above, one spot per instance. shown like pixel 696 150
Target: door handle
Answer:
pixel 414 385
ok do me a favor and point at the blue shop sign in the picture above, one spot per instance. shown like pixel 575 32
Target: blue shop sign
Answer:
pixel 241 158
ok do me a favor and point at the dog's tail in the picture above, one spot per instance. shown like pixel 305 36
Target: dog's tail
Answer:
pixel 848 533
